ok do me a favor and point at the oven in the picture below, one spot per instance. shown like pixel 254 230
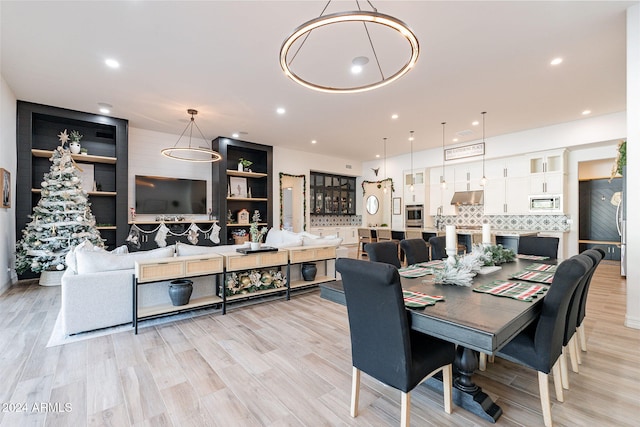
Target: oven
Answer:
pixel 414 216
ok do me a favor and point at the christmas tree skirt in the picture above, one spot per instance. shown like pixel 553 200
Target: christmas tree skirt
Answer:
pixel 51 278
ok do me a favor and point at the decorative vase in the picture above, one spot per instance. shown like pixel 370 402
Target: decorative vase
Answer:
pixel 240 169
pixel 309 271
pixel 180 291
pixel 74 147
pixel 255 246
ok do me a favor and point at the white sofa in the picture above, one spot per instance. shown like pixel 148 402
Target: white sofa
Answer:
pixel 97 286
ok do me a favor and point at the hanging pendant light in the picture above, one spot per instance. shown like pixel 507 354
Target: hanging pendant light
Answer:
pixel 413 179
pixel 483 180
pixel 443 182
pixel 189 153
pixel 384 190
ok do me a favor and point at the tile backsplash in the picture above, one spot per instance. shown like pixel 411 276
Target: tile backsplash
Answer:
pixel 336 220
pixel 473 216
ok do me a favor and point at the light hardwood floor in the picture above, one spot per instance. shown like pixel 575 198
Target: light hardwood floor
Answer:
pixel 278 363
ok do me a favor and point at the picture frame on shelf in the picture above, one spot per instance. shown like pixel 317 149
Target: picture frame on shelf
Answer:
pixel 243 217
pixel 87 176
pixel 238 187
pixel 397 206
pixel 5 185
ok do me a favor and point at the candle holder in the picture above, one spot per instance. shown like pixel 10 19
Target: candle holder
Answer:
pixel 451 255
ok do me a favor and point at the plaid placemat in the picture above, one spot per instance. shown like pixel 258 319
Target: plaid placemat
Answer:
pixel 432 264
pixel 542 267
pixel 516 290
pixel 418 299
pixel 413 271
pixel 533 257
pixel 533 276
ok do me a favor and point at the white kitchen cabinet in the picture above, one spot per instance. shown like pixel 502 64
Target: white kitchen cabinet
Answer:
pixel 506 191
pixel 439 196
pixel 547 183
pixel 467 176
pixel 349 235
pixel 547 171
pixel 418 178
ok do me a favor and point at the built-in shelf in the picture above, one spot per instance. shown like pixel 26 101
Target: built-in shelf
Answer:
pixel 231 172
pixel 186 221
pixel 244 225
pixel 77 157
pixel 90 193
pixel 248 199
pixel 106 227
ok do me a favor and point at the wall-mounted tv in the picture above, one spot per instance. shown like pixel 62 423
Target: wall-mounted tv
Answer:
pixel 170 196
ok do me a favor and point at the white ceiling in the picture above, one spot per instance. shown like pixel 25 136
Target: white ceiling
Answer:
pixel 221 58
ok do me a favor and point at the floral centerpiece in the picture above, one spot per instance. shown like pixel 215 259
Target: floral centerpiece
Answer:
pixel 254 230
pixel 251 281
pixel 463 269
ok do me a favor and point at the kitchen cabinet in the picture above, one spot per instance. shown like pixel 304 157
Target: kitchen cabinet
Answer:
pixel 418 178
pixel 547 171
pixel 349 235
pixel 506 188
pixel 332 194
pixel 467 176
pixel 611 249
pixel 438 196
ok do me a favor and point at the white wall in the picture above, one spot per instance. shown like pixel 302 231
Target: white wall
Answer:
pixel 8 161
pixel 633 171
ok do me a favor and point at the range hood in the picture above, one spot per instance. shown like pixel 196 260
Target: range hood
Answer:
pixel 468 198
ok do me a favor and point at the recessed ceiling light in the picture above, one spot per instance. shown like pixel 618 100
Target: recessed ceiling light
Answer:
pixel 281 110
pixel 586 112
pixel 394 116
pixel 377 156
pixel 112 63
pixel 455 139
pixel 235 135
pixel 556 61
pixel 313 141
pixel 356 69
pixel 475 123
pixel 104 108
pixel 357 64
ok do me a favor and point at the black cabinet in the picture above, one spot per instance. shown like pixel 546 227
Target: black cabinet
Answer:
pixel 235 190
pixel 106 142
pixel 332 194
pixel 611 249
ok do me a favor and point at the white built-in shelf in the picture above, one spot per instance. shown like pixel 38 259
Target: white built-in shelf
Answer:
pixel 88 158
pixel 246 174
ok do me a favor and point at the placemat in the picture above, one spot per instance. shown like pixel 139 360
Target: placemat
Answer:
pixel 516 290
pixel 413 271
pixel 432 264
pixel 418 299
pixel 533 276
pixel 542 267
pixel 533 257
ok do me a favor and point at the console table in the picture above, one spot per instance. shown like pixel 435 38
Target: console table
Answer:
pixel 156 270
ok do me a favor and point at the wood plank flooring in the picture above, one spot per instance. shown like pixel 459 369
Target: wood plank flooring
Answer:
pixel 278 363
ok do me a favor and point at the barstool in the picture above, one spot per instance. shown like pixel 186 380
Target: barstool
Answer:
pixel 365 235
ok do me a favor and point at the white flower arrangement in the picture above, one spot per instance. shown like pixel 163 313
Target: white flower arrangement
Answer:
pixel 251 281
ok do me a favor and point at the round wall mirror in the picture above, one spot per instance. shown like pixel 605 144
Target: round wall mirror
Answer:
pixel 372 205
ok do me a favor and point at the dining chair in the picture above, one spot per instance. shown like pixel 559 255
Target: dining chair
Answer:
pixel 542 246
pixel 413 233
pixel 539 346
pixel 365 235
pixel 415 250
pixel 583 300
pixel 569 342
pixel 438 247
pixel 386 252
pixel 382 343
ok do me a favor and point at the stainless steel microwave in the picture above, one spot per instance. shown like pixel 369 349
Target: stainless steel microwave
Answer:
pixel 414 216
pixel 545 203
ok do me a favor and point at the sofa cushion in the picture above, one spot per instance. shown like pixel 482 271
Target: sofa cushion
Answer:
pixel 96 261
pixel 322 241
pixel 283 239
pixel 71 258
pixel 182 249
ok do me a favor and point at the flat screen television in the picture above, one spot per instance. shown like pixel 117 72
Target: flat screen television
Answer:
pixel 170 196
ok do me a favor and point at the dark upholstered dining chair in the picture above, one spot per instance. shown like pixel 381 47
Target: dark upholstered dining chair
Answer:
pixel 382 343
pixel 386 252
pixel 438 247
pixel 539 346
pixel 542 246
pixel 582 312
pixel 416 250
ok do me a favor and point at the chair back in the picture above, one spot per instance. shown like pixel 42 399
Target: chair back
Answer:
pixel 383 234
pixel 378 320
pixel 571 322
pixel 549 331
pixel 365 233
pixel 542 246
pixel 386 252
pixel 597 255
pixel 438 247
pixel 416 250
pixel 414 233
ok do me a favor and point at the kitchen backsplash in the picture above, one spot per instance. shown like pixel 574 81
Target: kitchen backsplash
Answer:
pixel 473 216
pixel 336 220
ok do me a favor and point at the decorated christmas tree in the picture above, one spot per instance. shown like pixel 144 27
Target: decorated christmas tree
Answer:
pixel 61 219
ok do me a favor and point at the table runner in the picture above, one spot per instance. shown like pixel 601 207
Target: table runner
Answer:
pixel 516 290
pixel 542 267
pixel 432 264
pixel 418 299
pixel 413 271
pixel 532 257
pixel 534 276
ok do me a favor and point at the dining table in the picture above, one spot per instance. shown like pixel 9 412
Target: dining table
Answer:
pixel 473 320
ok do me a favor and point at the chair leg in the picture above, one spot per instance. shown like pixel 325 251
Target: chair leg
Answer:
pixel 564 370
pixel 583 338
pixel 557 383
pixel 543 383
pixel 355 391
pixel 482 363
pixel 447 376
pixel 572 355
pixel 576 348
pixel 405 410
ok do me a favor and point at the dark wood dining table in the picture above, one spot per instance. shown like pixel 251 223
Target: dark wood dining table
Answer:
pixel 474 321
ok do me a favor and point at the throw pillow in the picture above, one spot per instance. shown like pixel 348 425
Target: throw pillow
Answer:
pixel 95 262
pixel 183 249
pixel 71 259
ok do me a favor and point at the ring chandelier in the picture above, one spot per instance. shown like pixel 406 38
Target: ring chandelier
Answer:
pixel 189 153
pixel 372 17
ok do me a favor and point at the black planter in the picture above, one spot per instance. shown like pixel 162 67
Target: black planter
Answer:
pixel 309 271
pixel 180 291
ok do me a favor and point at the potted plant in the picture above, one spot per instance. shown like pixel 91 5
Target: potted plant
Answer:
pixel 255 232
pixel 243 163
